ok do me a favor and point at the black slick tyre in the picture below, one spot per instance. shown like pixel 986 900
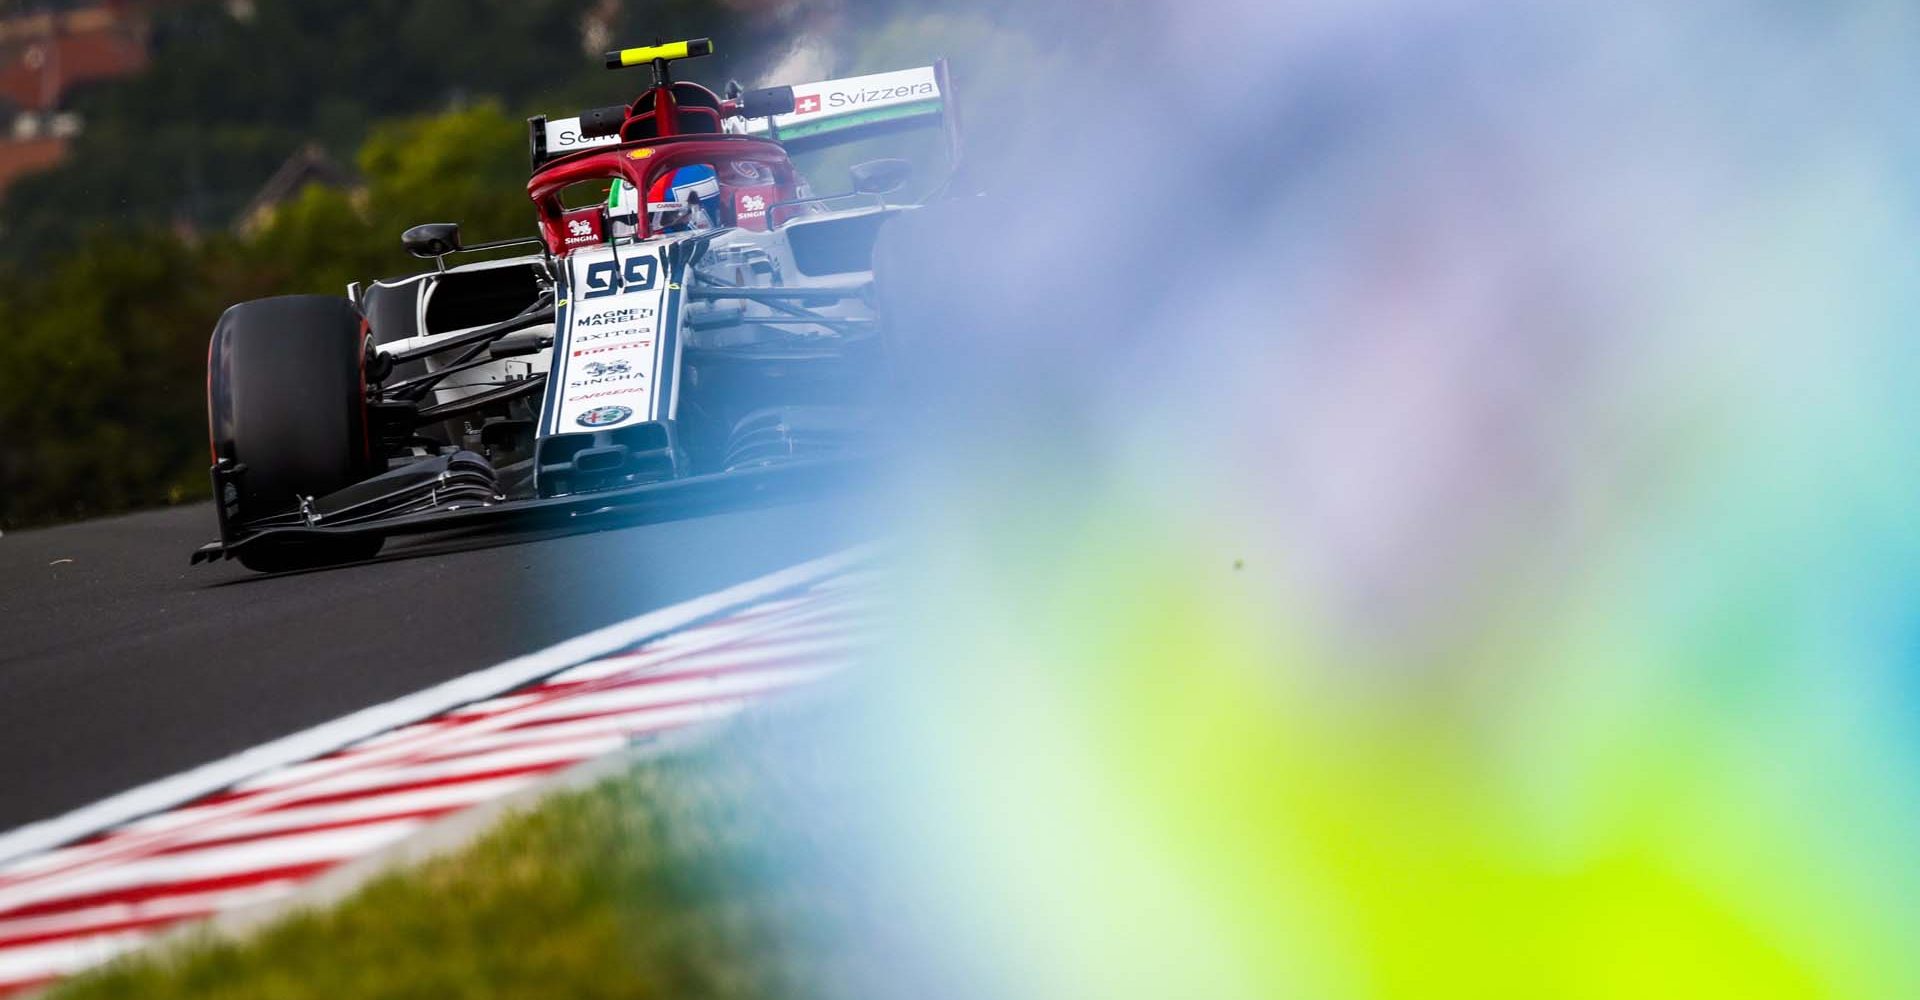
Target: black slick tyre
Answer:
pixel 286 409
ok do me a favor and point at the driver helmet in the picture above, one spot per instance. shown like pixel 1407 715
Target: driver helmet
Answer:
pixel 697 188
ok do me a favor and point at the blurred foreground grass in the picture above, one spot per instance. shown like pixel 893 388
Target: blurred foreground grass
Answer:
pixel 693 875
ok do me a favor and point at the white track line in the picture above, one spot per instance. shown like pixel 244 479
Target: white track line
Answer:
pixel 328 737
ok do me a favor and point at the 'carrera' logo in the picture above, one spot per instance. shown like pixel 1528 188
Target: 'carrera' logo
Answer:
pixel 603 416
pixel 602 394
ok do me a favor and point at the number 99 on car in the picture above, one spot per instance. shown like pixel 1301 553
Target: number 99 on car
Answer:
pixel 607 277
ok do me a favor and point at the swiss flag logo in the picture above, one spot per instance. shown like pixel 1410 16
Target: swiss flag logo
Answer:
pixel 807 105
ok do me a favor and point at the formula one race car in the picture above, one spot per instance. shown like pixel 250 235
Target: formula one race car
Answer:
pixel 692 325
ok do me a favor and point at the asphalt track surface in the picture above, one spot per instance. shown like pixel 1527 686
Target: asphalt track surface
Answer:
pixel 121 664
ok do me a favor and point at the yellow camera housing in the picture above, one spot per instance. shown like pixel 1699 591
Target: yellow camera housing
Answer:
pixel 647 55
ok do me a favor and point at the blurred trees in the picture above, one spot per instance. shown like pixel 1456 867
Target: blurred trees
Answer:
pixel 465 166
pixel 103 356
pixel 230 96
pixel 100 381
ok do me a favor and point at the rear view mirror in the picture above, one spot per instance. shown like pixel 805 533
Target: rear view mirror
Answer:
pixel 881 176
pixel 431 240
pixel 597 123
pixel 517 345
pixel 767 103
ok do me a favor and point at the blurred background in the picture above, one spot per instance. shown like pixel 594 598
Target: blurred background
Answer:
pixel 1415 498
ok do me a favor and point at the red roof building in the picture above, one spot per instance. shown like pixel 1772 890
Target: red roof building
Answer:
pixel 43 55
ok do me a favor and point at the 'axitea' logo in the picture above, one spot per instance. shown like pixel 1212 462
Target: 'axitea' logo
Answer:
pixel 807 105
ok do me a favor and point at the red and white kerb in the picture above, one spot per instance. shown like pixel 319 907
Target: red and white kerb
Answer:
pixel 67 909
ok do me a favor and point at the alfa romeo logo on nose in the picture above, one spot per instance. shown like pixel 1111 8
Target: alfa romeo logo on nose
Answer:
pixel 603 416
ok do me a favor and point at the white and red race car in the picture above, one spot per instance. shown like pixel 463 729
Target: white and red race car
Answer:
pixel 691 325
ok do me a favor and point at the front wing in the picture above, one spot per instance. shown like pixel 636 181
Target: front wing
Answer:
pixel 657 501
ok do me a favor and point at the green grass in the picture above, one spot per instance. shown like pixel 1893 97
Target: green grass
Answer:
pixel 701 874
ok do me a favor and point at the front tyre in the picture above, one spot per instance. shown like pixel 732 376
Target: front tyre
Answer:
pixel 287 418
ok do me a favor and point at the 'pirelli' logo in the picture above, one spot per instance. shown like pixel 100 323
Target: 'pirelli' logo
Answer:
pixel 583 352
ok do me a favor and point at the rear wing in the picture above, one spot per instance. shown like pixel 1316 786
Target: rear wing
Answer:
pixel 559 136
pixel 827 113
pixel 831 112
